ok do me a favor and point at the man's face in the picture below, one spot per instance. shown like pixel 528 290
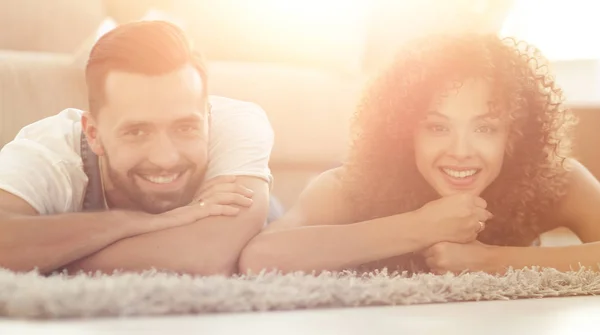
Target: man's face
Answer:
pixel 152 133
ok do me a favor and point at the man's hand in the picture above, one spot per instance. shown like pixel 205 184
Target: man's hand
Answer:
pixel 224 190
pixel 446 257
pixel 220 196
pixel 209 246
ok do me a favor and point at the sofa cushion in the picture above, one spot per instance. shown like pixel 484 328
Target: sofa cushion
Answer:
pixel 34 86
pixel 50 26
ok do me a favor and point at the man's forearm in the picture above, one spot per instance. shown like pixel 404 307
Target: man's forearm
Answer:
pixel 561 258
pixel 210 246
pixel 49 242
pixel 205 246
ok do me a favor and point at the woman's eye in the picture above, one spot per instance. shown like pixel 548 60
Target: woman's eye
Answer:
pixel 486 129
pixel 437 128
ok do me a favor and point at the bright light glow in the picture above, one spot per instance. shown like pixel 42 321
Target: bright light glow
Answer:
pixel 330 33
pixel 316 22
pixel 561 29
pixel 107 25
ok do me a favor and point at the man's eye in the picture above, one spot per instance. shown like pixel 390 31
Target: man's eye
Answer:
pixel 135 132
pixel 188 129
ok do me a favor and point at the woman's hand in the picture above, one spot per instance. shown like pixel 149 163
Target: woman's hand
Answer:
pixel 457 218
pixel 456 257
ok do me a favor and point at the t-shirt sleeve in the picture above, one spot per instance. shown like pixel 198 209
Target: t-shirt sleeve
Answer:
pixel 42 164
pixel 35 174
pixel 241 140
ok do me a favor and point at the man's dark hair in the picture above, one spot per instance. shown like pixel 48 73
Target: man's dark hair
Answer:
pixel 145 47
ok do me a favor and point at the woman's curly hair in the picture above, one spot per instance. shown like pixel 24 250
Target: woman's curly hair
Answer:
pixel 381 177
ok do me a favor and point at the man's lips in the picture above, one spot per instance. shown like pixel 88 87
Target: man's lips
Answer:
pixel 172 182
pixel 161 179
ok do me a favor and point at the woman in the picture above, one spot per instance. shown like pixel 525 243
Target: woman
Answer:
pixel 460 133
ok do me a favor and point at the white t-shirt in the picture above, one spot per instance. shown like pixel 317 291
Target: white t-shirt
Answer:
pixel 43 166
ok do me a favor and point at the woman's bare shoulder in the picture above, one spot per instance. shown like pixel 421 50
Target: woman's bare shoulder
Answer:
pixel 579 209
pixel 322 202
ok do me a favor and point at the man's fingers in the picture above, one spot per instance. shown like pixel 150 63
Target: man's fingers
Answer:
pixel 225 210
pixel 232 199
pixel 226 188
pixel 204 210
pixel 226 199
pixel 217 180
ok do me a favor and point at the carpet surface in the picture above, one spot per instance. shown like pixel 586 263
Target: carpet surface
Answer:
pixel 30 295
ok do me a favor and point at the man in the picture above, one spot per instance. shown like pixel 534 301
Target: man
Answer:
pixel 156 175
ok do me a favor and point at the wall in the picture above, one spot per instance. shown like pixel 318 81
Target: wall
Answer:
pixel 587 138
pixel 580 80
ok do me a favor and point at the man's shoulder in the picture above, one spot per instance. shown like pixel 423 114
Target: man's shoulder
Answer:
pixel 63 125
pixel 224 108
pixel 43 166
pixel 241 139
pixel 59 133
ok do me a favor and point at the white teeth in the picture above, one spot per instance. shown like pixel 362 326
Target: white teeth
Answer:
pixel 459 174
pixel 161 179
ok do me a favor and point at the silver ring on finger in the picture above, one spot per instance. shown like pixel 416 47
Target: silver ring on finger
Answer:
pixel 481 227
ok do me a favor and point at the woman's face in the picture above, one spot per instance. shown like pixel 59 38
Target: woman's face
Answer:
pixel 459 145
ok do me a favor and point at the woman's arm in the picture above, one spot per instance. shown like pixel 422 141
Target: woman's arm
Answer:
pixel 566 258
pixel 315 235
pixel 579 211
pixel 318 233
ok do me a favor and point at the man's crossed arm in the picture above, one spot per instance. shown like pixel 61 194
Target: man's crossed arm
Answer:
pixel 194 239
pixel 210 246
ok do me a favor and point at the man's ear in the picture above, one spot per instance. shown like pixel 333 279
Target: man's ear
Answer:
pixel 90 129
pixel 209 118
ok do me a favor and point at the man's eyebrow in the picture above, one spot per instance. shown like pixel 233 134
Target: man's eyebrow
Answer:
pixel 133 124
pixel 185 119
pixel 190 119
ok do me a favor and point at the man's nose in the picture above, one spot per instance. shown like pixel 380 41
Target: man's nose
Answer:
pixel 461 146
pixel 164 153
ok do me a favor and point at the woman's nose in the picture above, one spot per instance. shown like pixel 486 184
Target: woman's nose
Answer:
pixel 461 146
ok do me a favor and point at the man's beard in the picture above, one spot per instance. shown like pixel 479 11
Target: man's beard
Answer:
pixel 156 203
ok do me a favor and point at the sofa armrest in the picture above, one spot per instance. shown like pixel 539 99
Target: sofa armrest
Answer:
pixel 36 85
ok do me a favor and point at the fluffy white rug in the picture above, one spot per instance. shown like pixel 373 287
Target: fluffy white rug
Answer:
pixel 30 295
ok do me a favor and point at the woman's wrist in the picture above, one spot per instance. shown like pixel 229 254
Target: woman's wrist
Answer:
pixel 425 230
pixel 422 231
